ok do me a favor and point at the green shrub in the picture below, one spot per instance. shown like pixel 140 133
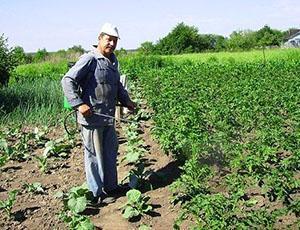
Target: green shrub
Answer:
pixel 7 62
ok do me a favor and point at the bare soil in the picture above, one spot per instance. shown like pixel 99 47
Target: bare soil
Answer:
pixel 40 211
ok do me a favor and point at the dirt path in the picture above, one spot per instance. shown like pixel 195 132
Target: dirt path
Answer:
pixel 40 211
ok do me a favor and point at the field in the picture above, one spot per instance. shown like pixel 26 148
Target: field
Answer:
pixel 219 146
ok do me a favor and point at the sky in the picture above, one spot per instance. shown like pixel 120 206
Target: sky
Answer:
pixel 61 24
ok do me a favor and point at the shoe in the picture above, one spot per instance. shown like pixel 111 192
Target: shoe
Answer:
pixel 119 190
pixel 106 199
pixel 94 200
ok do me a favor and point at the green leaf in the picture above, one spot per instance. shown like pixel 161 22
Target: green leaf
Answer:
pixel 3 160
pixel 250 203
pixel 130 212
pixel 134 196
pixel 132 157
pixel 77 205
pixel 144 227
pixel 58 195
pixel 3 144
pixel 85 225
pixel 147 208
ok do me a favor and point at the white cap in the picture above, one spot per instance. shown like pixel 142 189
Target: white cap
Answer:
pixel 110 29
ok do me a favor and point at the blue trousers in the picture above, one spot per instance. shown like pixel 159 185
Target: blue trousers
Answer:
pixel 100 158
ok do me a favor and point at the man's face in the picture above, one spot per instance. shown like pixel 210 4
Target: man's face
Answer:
pixel 107 44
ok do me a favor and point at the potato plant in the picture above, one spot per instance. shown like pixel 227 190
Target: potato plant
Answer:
pixel 75 202
pixel 235 121
pixel 136 204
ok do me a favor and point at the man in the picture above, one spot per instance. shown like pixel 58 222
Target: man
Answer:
pixel 92 87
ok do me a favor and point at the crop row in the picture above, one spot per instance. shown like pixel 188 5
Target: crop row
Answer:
pixel 236 126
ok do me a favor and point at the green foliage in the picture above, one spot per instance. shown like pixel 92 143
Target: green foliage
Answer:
pixel 3 159
pixel 70 55
pixel 56 148
pixel 269 37
pixel 33 94
pixel 59 147
pixel 4 151
pixel 219 117
pixel 134 150
pixel 16 144
pixel 38 102
pixel 76 199
pixel 187 39
pixel 241 40
pixel 7 62
pixel 217 211
pixel 35 71
pixel 19 56
pixel 39 135
pixel 136 204
pixel 40 55
pixel 147 48
pixel 75 202
pixel 19 150
pixel 192 182
pixel 133 64
pixel 7 205
pixel 182 39
pixel 121 52
pixel 42 163
pixel 295 207
pixel 77 222
pixel 76 49
pixel 217 42
pixel 137 176
pixel 247 39
pixel 35 188
pixel 144 227
pixel 237 57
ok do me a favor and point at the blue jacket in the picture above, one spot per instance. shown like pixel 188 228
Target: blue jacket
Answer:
pixel 95 81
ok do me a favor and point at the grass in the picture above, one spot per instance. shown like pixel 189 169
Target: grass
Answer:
pixel 30 72
pixel 34 94
pixel 248 56
pixel 38 101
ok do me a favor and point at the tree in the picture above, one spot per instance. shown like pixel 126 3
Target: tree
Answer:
pixel 182 39
pixel 19 55
pixel 76 49
pixel 241 40
pixel 147 48
pixel 40 55
pixel 214 42
pixel 268 37
pixel 6 61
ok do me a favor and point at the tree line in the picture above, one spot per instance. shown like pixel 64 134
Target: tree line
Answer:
pixel 187 39
pixel 181 39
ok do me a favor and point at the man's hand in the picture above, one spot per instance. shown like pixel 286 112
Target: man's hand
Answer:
pixel 131 105
pixel 85 110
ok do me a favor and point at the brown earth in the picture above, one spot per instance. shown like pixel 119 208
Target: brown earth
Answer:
pixel 40 211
